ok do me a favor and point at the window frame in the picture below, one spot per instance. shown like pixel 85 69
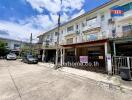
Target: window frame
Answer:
pixel 70 28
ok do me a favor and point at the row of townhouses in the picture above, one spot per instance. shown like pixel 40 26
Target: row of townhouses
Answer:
pixel 13 45
pixel 91 40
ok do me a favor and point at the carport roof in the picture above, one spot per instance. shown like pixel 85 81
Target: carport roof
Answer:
pixel 121 39
pixel 86 43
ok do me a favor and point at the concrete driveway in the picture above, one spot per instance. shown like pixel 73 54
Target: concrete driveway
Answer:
pixel 19 81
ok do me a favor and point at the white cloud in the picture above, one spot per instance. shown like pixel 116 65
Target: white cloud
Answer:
pixel 23 29
pixel 41 22
pixel 70 5
pixel 17 31
pixel 78 14
pixel 54 6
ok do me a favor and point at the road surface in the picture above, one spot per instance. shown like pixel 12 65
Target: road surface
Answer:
pixel 19 81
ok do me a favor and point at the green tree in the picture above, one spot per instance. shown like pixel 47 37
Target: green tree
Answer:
pixel 3 49
pixel 26 49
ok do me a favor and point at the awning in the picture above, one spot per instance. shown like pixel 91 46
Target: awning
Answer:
pixel 86 43
pixel 122 39
pixel 50 47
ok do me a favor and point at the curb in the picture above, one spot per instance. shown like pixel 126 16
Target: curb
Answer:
pixel 114 87
pixel 105 85
pixel 101 84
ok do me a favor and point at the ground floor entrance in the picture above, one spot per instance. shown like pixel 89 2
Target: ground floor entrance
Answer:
pixel 122 56
pixel 89 56
pixel 121 61
pixel 50 55
pixel 124 49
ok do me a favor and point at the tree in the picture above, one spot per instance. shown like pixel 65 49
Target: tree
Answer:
pixel 3 49
pixel 26 49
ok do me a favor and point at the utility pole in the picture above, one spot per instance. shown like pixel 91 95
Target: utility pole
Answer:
pixel 57 45
pixel 31 39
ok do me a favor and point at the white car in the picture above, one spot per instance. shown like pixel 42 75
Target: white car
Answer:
pixel 11 56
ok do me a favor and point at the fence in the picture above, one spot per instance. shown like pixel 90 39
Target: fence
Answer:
pixel 121 61
pixel 95 65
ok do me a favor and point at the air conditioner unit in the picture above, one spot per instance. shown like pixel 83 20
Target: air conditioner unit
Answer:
pixel 77 32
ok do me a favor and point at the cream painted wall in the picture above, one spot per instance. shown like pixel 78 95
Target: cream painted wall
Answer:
pixel 105 27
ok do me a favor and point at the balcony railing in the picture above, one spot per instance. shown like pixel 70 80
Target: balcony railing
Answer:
pixel 91 37
pixel 127 33
pixel 92 26
pixel 94 37
pixel 122 34
pixel 71 32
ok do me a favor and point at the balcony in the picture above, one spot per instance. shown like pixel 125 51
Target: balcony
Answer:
pixel 127 17
pixel 92 27
pixel 127 33
pixel 93 37
pixel 123 34
pixel 70 32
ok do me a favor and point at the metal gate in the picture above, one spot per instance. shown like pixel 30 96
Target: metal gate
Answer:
pixel 95 65
pixel 121 61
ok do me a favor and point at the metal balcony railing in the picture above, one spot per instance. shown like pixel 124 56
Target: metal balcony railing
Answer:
pixel 122 34
pixel 127 33
pixel 92 26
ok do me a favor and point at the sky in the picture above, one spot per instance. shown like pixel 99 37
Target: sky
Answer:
pixel 20 18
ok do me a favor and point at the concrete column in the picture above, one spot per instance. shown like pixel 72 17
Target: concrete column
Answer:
pixel 63 60
pixel 108 59
pixel 114 47
pixel 75 53
pixel 61 50
pixel 57 55
pixel 43 55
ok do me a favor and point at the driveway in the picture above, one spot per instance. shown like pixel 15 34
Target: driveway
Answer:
pixel 19 81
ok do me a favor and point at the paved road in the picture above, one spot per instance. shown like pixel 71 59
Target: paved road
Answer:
pixel 19 81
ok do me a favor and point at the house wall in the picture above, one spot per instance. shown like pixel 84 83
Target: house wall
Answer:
pixel 11 44
pixel 105 28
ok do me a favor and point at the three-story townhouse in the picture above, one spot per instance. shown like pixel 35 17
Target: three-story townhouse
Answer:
pixel 89 40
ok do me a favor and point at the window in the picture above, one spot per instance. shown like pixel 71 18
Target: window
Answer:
pixel 6 44
pixel 56 33
pixel 70 40
pixel 16 46
pixel 127 28
pixel 127 7
pixel 83 24
pixel 51 38
pixel 70 28
pixel 92 20
pixel 92 37
pixel 48 36
pixel 102 17
pixel 77 26
pixel 62 32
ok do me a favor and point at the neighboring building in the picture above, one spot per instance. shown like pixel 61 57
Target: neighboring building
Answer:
pixel 13 45
pixel 92 37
